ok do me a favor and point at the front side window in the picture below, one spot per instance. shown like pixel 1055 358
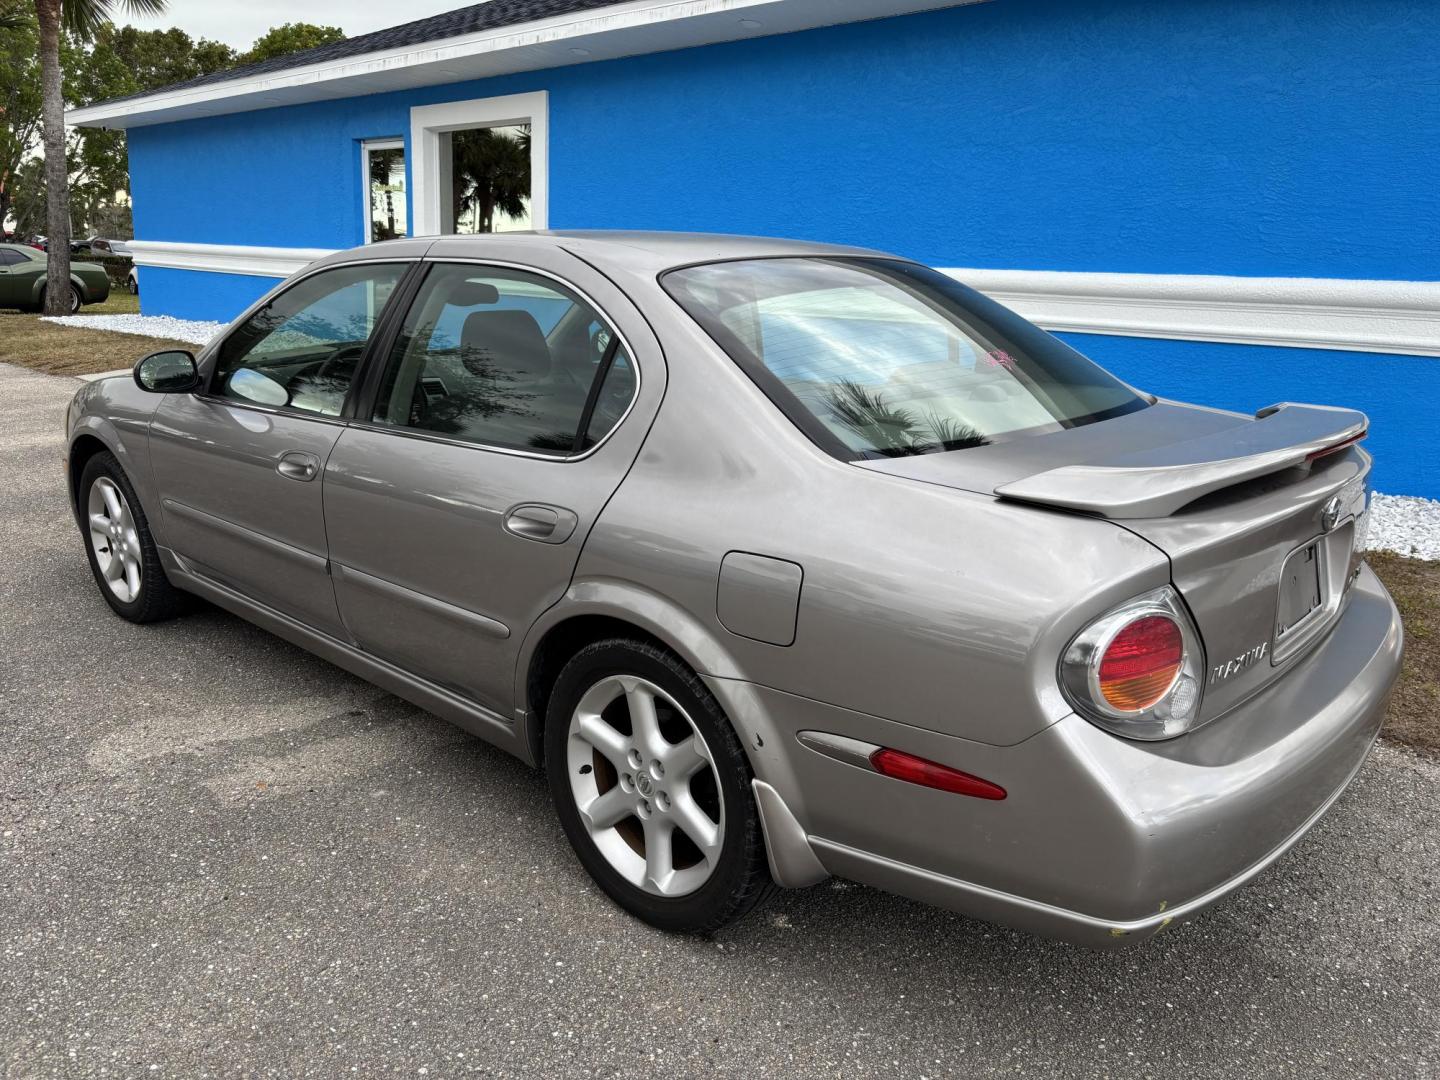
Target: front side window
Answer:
pixel 882 358
pixel 386 200
pixel 302 349
pixel 508 359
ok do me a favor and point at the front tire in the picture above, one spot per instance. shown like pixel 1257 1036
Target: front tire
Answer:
pixel 652 788
pixel 122 552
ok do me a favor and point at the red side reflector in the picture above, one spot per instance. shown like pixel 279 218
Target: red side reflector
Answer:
pixel 1327 451
pixel 916 770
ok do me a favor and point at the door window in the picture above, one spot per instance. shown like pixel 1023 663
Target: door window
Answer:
pixel 10 257
pixel 508 359
pixel 302 349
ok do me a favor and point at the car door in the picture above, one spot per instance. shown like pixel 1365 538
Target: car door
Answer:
pixel 511 403
pixel 238 466
pixel 14 283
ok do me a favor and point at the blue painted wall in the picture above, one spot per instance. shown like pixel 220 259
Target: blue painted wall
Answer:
pixel 1251 137
pixel 1400 394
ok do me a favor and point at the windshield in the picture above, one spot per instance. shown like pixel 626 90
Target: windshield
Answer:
pixel 883 358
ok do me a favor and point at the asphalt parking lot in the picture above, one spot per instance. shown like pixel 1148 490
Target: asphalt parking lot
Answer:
pixel 221 856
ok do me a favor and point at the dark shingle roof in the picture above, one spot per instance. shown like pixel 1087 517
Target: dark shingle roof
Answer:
pixel 466 20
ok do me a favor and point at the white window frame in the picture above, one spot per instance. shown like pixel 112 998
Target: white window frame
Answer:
pixel 367 146
pixel 430 164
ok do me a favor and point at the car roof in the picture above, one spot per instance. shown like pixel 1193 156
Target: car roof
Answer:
pixel 647 253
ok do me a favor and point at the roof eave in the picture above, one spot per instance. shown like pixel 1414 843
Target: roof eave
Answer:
pixel 627 29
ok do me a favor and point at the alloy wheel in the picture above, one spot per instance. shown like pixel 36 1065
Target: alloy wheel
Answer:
pixel 644 782
pixel 114 539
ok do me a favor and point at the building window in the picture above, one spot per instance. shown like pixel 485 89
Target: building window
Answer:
pixel 481 165
pixel 387 206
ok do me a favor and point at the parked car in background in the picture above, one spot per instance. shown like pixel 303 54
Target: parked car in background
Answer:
pixel 782 559
pixel 22 280
pixel 101 246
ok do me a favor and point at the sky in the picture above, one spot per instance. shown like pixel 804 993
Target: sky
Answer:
pixel 239 22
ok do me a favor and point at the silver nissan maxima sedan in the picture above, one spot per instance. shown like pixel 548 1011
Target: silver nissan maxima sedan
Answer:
pixel 783 560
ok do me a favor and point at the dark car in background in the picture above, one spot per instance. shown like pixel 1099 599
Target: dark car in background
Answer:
pixel 22 280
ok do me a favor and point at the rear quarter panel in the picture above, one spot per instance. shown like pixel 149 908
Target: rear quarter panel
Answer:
pixel 933 607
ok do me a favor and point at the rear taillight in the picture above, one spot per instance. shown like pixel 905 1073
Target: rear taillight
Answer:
pixel 1141 662
pixel 1136 670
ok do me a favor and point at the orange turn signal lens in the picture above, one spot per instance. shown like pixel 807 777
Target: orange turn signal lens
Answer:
pixel 1141 662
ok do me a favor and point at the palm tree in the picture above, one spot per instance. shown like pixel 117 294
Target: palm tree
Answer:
pixel 492 174
pixel 82 18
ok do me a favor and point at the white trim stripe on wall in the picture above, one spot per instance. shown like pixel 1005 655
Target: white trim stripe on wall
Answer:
pixel 1300 313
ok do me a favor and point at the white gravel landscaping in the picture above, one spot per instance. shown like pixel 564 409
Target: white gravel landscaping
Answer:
pixel 160 326
pixel 1405 524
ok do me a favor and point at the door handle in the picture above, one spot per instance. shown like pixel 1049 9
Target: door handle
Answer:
pixel 298 465
pixel 535 521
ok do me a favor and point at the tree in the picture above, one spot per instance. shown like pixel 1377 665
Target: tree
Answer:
pixel 492 173
pixel 83 18
pixel 19 98
pixel 292 37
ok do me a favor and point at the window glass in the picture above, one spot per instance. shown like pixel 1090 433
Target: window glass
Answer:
pixel 11 257
pixel 505 358
pixel 882 358
pixel 388 203
pixel 302 349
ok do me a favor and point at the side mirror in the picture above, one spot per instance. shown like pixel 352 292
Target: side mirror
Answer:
pixel 169 372
pixel 258 387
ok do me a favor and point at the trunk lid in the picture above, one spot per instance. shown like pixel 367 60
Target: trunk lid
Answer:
pixel 1262 517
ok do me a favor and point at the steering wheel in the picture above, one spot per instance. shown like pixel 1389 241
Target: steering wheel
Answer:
pixel 327 366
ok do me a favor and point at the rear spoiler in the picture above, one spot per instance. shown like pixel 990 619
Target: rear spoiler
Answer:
pixel 1159 481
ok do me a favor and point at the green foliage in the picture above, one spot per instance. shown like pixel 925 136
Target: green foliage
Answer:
pixel 84 18
pixel 19 96
pixel 290 38
pixel 101 61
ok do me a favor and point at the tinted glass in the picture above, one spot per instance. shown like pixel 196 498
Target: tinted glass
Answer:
pixel 505 358
pixel 881 358
pixel 303 348
pixel 11 257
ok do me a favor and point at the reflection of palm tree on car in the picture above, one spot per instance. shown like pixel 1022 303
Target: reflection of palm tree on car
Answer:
pixel 491 174
pixel 896 432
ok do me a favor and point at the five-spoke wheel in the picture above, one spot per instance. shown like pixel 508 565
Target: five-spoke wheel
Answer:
pixel 644 782
pixel 653 787
pixel 122 553
pixel 114 540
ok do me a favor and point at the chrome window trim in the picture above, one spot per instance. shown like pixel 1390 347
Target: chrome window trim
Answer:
pixel 419 433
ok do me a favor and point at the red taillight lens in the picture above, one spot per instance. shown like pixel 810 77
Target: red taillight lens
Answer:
pixel 916 770
pixel 1141 663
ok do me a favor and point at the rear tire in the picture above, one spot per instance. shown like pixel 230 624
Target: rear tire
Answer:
pixel 72 307
pixel 121 550
pixel 669 827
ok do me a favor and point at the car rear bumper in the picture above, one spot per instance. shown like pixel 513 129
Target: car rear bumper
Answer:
pixel 1100 841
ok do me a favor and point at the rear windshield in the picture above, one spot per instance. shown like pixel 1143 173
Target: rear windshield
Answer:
pixel 883 358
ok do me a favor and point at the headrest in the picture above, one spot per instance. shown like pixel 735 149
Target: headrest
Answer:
pixel 504 341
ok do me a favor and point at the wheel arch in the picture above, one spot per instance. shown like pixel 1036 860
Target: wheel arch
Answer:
pixel 94 434
pixel 592 611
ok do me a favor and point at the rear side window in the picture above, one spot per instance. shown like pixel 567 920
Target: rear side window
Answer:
pixel 883 358
pixel 506 358
pixel 11 257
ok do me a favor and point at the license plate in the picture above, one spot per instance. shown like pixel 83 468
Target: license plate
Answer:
pixel 1299 588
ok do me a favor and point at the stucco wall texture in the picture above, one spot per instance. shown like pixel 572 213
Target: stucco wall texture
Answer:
pixel 1234 137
